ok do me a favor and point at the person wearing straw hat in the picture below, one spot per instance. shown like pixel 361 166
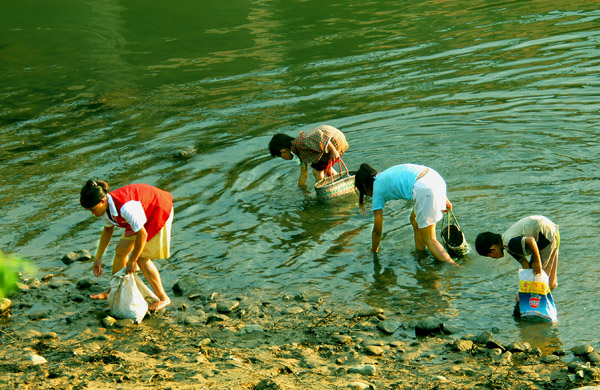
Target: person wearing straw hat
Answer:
pixel 417 183
pixel 320 147
pixel 146 214
pixel 535 236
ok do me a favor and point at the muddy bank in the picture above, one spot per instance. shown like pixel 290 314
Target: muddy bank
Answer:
pixel 54 337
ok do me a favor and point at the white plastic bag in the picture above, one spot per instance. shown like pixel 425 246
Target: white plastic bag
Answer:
pixel 535 299
pixel 127 296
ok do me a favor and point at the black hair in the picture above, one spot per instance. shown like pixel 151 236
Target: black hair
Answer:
pixel 278 142
pixel 363 180
pixel 484 242
pixel 92 193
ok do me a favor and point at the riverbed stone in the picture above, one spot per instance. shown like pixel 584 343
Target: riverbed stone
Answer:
pixel 124 323
pixel 550 359
pixel 462 345
pixel 5 304
pixel 581 350
pixel 187 285
pixel 108 322
pixel 483 338
pixel 519 346
pixel 292 310
pixel 363 369
pixel 370 312
pixel 252 328
pixel 360 386
pixel 593 357
pixel 388 326
pixel 374 350
pixel 342 339
pixel 78 255
pixel 227 306
pixel 37 359
pixel 428 327
pixel 85 284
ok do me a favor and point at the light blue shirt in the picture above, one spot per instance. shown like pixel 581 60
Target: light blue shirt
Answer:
pixel 396 182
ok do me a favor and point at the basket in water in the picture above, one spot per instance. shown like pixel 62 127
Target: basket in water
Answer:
pixel 452 237
pixel 336 185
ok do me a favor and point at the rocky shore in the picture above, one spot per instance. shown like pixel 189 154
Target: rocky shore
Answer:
pixel 54 337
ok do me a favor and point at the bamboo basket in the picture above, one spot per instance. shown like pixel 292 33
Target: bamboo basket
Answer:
pixel 452 237
pixel 336 185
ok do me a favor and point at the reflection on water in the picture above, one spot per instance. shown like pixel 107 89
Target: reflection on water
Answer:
pixel 501 99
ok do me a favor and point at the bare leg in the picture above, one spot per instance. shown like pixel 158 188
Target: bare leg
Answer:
pixel 436 249
pixel 551 269
pixel 122 251
pixel 419 242
pixel 153 277
pixel 319 175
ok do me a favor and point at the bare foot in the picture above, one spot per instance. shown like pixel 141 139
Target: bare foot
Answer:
pixel 102 295
pixel 159 305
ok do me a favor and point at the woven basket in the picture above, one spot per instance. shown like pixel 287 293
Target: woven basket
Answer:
pixel 452 237
pixel 336 185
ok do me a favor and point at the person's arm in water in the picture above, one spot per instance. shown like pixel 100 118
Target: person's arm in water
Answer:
pixel 303 174
pixel 105 237
pixel 536 261
pixel 377 230
pixel 140 243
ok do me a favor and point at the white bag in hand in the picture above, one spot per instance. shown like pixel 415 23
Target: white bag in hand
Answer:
pixel 127 296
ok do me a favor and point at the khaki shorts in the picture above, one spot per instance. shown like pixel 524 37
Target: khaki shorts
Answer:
pixel 159 246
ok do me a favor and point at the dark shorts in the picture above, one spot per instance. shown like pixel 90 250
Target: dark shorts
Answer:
pixel 321 165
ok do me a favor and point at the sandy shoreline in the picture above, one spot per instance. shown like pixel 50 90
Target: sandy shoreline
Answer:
pixel 54 337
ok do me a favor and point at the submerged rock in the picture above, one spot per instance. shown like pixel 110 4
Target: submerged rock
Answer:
pixel 78 255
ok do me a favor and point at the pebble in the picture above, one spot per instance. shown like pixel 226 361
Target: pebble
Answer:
pixel 363 369
pixel 254 328
pixel 582 350
pixel 359 386
pixel 550 358
pixel 78 255
pixel 37 359
pixel 84 284
pixel 292 310
pixel 342 339
pixel 593 357
pixel 483 338
pixel 374 350
pixel 124 323
pixel 462 345
pixel 388 326
pixel 5 304
pixel 216 318
pixel 428 327
pixel 519 347
pixel 227 307
pixel 108 322
pixel 373 311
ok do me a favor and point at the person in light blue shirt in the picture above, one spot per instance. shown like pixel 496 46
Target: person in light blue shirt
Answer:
pixel 417 183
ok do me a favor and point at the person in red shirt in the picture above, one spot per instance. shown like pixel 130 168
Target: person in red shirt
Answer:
pixel 146 214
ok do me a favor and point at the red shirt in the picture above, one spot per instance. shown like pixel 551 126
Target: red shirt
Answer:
pixel 156 204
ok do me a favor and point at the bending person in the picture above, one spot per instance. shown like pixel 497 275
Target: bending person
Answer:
pixel 417 183
pixel 320 147
pixel 534 236
pixel 146 214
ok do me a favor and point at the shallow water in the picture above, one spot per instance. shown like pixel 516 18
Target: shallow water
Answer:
pixel 500 97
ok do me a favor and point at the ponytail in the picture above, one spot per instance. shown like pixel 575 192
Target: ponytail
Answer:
pixel 363 180
pixel 92 193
